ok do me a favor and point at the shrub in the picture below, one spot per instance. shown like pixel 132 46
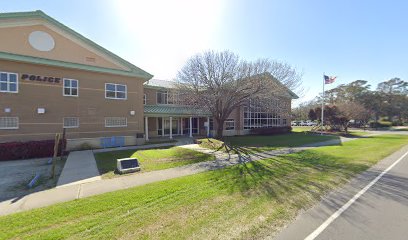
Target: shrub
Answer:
pixel 26 150
pixel 271 130
pixel 85 146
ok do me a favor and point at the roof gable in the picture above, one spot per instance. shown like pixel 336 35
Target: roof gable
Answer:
pixel 78 49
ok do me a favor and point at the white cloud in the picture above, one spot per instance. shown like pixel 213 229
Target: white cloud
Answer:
pixel 166 33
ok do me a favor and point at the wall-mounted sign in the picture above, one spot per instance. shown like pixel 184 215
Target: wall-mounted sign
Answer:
pixel 31 77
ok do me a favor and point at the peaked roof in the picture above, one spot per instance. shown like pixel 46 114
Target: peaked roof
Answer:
pixel 157 83
pixel 134 71
pixel 290 92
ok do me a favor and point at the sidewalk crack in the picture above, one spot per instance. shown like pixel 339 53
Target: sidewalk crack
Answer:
pixel 79 191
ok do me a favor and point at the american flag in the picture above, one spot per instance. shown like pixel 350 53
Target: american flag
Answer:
pixel 328 80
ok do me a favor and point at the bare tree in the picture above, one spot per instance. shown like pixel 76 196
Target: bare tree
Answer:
pixel 221 82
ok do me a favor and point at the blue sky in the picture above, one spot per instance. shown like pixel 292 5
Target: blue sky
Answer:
pixel 350 39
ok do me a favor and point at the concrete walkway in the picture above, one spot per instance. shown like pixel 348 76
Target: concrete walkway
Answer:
pixel 68 192
pixel 79 168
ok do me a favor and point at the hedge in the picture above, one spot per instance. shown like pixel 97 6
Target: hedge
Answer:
pixel 271 130
pixel 27 150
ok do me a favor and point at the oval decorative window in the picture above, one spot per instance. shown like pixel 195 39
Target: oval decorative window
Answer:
pixel 41 41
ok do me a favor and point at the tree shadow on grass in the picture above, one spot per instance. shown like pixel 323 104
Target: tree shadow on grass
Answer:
pixel 279 177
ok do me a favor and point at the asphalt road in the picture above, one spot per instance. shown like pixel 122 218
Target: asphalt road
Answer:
pixel 381 212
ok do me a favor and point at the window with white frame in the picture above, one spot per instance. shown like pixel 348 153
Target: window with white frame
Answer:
pixel 257 117
pixel 168 97
pixel 115 91
pixel 144 99
pixel 115 122
pixel 162 97
pixel 8 82
pixel 71 122
pixel 70 87
pixel 230 124
pixel 9 123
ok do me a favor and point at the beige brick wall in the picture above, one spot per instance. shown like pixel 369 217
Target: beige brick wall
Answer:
pixel 91 106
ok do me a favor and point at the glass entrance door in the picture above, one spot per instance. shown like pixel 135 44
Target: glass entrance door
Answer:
pixel 164 124
pixel 186 125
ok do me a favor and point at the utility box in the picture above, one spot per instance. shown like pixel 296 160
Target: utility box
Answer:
pixel 127 165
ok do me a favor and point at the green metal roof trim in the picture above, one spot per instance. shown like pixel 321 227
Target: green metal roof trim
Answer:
pixel 135 71
pixel 56 63
pixel 173 110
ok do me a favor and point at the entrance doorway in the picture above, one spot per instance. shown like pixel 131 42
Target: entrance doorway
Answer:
pixel 164 124
pixel 186 125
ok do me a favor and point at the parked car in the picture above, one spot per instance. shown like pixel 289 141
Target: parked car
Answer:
pixel 296 123
pixel 310 123
pixel 303 123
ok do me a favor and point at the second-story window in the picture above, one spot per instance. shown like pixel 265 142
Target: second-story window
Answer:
pixel 162 97
pixel 70 87
pixel 144 99
pixel 115 91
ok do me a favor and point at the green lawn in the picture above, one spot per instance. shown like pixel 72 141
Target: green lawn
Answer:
pixel 257 143
pixel 356 133
pixel 301 128
pixel 359 133
pixel 150 159
pixel 247 201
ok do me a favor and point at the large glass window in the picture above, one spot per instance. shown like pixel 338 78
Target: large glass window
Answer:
pixel 257 117
pixel 8 82
pixel 115 91
pixel 70 87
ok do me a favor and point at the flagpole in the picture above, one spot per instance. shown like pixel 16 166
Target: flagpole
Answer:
pixel 321 131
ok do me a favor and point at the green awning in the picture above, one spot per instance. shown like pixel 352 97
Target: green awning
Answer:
pixel 173 111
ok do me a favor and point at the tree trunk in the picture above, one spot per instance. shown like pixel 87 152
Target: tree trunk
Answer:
pixel 220 128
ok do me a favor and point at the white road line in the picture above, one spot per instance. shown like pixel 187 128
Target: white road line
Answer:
pixel 335 215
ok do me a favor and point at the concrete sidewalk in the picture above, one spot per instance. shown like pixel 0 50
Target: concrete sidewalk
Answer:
pixel 68 192
pixel 79 168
